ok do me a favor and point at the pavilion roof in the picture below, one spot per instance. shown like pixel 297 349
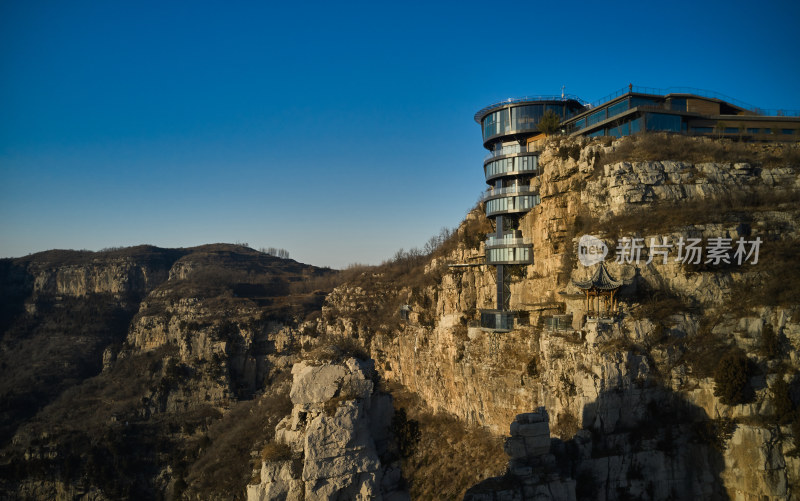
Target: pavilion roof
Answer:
pixel 601 280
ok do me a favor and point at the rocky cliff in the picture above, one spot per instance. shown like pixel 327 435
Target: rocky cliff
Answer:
pixel 603 382
pixel 337 439
pixel 219 372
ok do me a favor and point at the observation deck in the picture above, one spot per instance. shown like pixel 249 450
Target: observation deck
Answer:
pixel 511 204
pixel 498 320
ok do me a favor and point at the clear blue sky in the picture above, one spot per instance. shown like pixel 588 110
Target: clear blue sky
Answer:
pixel 339 131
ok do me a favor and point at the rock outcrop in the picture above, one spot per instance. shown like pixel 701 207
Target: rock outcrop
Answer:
pixel 599 377
pixel 338 438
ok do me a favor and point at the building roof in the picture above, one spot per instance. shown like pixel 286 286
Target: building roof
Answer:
pixel 567 98
pixel 601 280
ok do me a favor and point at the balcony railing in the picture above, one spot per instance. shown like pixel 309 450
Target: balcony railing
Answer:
pixel 696 92
pixel 510 190
pixel 510 150
pixel 558 322
pixel 485 111
pixel 511 204
pixel 498 320
pixel 507 241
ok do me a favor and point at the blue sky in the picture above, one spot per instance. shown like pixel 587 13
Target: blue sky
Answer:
pixel 339 131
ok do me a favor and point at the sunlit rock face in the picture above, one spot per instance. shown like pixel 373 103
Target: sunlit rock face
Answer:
pixel 337 433
pixel 608 377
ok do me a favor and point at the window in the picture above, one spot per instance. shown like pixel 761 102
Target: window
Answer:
pixel 703 130
pixel 636 125
pixel 596 117
pixel 640 101
pixel 622 130
pixel 660 121
pixel 677 104
pixel 618 108
pixel 787 131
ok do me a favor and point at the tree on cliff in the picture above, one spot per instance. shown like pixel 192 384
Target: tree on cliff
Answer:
pixel 731 376
pixel 549 122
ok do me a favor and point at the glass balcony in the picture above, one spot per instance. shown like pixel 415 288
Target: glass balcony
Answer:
pixel 509 255
pixel 514 204
pixel 498 320
pixel 511 166
pixel 513 149
pixel 509 240
pixel 510 190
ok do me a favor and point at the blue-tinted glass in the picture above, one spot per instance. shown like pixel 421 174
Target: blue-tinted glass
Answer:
pixel 787 131
pixel 658 121
pixel 636 125
pixel 596 117
pixel 622 130
pixel 703 130
pixel 731 130
pixel 678 104
pixel 752 131
pixel 640 101
pixel 580 124
pixel 617 108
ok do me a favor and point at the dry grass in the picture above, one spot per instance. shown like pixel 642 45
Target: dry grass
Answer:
pixel 676 147
pixel 733 208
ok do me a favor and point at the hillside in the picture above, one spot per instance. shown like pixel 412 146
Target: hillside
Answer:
pixel 692 392
pixel 219 372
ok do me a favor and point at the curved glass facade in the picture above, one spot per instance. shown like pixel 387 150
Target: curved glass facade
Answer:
pixel 509 255
pixel 521 203
pixel 528 164
pixel 521 118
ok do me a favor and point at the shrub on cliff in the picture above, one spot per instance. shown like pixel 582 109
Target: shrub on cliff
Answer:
pixel 731 376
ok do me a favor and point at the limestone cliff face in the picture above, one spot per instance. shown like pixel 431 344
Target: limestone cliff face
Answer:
pixel 602 379
pixel 134 271
pixel 113 357
pixel 337 436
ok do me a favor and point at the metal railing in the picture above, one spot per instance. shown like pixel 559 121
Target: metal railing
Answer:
pixel 510 150
pixel 495 242
pixel 566 97
pixel 511 190
pixel 498 320
pixel 697 92
pixel 558 322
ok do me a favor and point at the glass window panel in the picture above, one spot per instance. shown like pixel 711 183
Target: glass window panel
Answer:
pixel 659 121
pixel 596 117
pixel 677 104
pixel 617 108
pixel 641 101
pixel 703 130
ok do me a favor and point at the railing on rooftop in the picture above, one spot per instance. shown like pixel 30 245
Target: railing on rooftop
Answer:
pixel 698 92
pixel 516 100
